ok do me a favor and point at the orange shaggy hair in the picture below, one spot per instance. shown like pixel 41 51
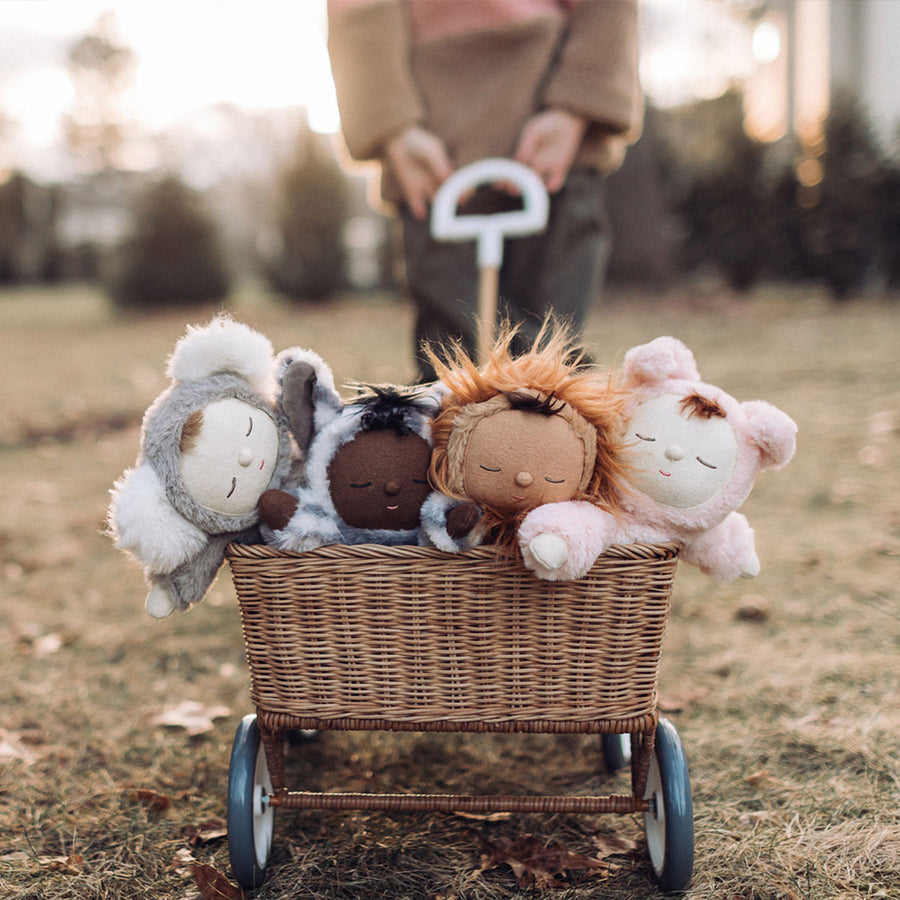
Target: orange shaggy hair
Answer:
pixel 554 367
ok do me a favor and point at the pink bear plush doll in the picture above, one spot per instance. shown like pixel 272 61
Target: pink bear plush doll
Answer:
pixel 695 453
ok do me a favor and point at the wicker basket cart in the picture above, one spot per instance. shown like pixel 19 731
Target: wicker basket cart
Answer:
pixel 413 639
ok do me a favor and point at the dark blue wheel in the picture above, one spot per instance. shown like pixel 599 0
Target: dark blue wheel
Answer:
pixel 616 751
pixel 669 823
pixel 250 818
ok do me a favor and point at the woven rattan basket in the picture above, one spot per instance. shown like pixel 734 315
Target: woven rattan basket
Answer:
pixel 410 638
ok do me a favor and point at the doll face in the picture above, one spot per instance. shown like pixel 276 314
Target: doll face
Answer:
pixel 380 480
pixel 681 459
pixel 517 460
pixel 228 464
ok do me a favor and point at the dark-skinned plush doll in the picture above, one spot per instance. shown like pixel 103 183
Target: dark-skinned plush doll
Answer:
pixel 367 461
pixel 519 432
pixel 211 443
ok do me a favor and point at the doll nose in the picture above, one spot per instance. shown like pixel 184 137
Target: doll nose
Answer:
pixel 391 488
pixel 245 457
pixel 674 452
pixel 523 479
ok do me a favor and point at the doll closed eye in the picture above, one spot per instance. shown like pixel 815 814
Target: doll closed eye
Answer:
pixel 498 470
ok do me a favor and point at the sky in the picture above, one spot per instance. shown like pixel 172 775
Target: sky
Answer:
pixel 257 54
pixel 270 54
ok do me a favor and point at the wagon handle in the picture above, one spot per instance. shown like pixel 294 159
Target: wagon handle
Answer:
pixel 490 229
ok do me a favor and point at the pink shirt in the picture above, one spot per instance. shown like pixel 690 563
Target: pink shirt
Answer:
pixel 434 19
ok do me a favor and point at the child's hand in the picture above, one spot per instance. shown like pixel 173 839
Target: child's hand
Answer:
pixel 420 162
pixel 548 144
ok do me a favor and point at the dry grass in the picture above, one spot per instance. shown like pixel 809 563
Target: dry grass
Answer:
pixel 784 689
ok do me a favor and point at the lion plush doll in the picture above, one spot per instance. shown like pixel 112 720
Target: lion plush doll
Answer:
pixel 517 433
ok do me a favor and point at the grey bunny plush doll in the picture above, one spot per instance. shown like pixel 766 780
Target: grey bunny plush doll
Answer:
pixel 211 444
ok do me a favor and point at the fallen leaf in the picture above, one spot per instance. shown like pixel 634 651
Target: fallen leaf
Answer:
pixel 873 456
pixel 183 863
pixel 205 832
pixel 151 800
pixel 12 747
pixel 675 703
pixel 47 644
pixel 73 864
pixel 751 819
pixel 194 717
pixel 882 423
pixel 484 817
pixel 757 778
pixel 214 885
pixel 536 865
pixel 609 844
pixel 753 608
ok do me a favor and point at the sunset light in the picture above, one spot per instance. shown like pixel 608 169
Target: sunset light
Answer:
pixel 258 56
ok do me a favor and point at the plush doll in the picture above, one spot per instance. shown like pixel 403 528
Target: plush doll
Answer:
pixel 519 432
pixel 695 454
pixel 211 443
pixel 366 461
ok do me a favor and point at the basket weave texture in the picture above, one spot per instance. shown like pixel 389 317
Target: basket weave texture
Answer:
pixel 414 636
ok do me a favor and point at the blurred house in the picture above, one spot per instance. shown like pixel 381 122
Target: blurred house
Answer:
pixel 810 51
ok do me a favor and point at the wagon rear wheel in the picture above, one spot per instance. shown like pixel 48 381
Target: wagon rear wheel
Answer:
pixel 251 819
pixel 669 823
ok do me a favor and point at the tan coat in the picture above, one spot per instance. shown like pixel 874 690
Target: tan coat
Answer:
pixel 476 90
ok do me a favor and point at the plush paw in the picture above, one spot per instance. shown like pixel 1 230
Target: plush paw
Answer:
pixel 159 603
pixel 750 566
pixel 549 550
pixel 276 509
pixel 462 519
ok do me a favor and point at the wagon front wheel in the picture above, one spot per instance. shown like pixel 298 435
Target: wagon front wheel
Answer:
pixel 251 819
pixel 669 823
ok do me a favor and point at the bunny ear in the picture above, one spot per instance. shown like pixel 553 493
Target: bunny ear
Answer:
pixel 773 431
pixel 223 346
pixel 662 358
pixel 306 391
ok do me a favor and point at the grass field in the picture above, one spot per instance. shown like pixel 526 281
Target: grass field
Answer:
pixel 784 689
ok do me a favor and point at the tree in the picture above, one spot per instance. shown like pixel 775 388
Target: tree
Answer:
pixel 311 221
pixel 839 215
pixel 101 68
pixel 174 255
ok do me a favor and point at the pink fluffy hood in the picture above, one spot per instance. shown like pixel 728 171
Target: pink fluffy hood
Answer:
pixel 766 436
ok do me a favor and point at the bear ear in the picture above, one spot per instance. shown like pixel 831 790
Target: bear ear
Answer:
pixel 773 431
pixel 223 347
pixel 306 393
pixel 662 358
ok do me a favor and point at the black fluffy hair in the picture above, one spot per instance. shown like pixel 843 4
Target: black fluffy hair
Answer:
pixel 385 406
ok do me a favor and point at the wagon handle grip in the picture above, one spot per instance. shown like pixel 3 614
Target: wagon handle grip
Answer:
pixel 489 229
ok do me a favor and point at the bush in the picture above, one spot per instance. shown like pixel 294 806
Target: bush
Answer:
pixel 829 214
pixel 836 217
pixel 174 255
pixel 727 215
